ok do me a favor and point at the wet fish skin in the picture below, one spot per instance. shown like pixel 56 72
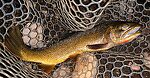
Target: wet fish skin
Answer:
pixel 115 34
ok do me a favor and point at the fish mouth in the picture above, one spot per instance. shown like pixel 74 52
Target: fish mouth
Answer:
pixel 131 33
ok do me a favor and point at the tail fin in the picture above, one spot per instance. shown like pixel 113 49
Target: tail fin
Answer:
pixel 13 41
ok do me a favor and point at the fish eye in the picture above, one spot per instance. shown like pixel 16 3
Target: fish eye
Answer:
pixel 125 27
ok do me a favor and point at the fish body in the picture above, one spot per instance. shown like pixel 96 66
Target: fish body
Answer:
pixel 95 39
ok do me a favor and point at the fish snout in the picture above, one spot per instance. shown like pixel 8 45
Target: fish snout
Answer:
pixel 130 34
pixel 132 31
pixel 127 34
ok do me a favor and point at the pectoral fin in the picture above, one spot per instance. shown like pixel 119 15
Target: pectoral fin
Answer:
pixel 46 68
pixel 97 46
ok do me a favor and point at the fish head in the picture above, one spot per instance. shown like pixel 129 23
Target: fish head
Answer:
pixel 124 32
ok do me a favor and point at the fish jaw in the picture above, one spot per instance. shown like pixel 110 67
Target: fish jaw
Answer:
pixel 129 39
pixel 126 35
pixel 131 32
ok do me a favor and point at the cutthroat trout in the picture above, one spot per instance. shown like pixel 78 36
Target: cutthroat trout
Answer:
pixel 95 39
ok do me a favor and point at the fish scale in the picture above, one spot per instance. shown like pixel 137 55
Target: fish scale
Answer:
pixel 128 12
pixel 69 48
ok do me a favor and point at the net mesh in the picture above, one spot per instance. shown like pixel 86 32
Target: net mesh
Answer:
pixel 46 22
